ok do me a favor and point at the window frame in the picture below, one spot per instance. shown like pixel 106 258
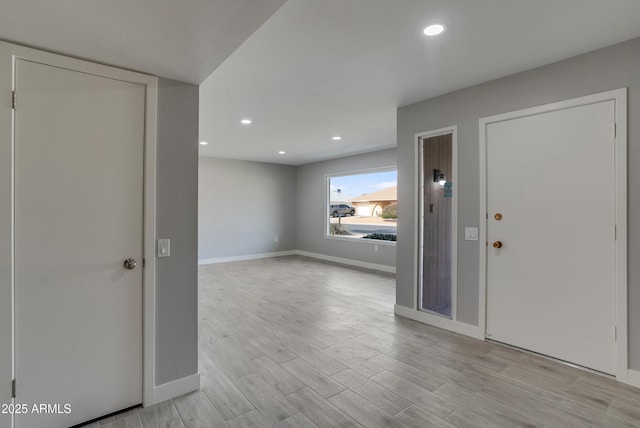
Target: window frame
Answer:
pixel 327 204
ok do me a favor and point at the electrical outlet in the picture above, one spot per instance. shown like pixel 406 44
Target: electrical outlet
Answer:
pixel 275 239
pixel 375 248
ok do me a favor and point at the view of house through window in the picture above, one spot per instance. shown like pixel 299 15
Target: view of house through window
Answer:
pixel 363 206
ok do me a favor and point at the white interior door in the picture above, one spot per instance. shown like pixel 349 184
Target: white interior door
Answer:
pixel 79 142
pixel 551 287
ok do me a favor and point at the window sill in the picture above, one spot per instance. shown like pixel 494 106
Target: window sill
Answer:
pixel 362 240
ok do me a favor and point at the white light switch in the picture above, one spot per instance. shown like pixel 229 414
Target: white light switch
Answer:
pixel 471 233
pixel 164 247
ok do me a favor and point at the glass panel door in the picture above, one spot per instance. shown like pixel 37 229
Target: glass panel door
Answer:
pixel 436 220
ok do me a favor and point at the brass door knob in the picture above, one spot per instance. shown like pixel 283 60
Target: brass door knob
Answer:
pixel 497 244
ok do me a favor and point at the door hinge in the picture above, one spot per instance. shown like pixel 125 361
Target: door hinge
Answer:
pixel 615 232
pixel 615 130
pixel 13 388
pixel 615 334
pixel 144 262
pixel 13 100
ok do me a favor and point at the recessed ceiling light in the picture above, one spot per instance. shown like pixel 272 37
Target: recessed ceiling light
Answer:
pixel 336 138
pixel 434 29
pixel 246 121
pixel 281 152
pixel 203 143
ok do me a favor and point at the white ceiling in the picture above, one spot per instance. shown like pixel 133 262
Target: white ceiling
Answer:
pixel 318 68
pixel 180 39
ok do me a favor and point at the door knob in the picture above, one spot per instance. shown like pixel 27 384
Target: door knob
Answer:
pixel 130 264
pixel 497 244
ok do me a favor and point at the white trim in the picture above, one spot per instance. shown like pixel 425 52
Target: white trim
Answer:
pixel 361 240
pixel 149 277
pixel 175 388
pixel 633 378
pixel 440 322
pixel 350 262
pixel 419 138
pixel 482 230
pixel 620 98
pixel 56 60
pixel 150 83
pixel 622 317
pixel 246 257
pixel 363 171
pixel 416 221
pixel 7 313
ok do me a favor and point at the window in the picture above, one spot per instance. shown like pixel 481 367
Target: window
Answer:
pixel 363 206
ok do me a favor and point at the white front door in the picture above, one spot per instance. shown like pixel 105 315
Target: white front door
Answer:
pixel 79 141
pixel 551 204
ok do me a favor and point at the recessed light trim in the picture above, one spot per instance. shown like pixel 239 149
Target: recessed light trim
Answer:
pixel 282 152
pixel 434 30
pixel 246 121
pixel 336 138
pixel 203 143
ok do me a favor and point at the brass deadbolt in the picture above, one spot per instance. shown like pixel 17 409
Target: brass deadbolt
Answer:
pixel 498 216
pixel 497 244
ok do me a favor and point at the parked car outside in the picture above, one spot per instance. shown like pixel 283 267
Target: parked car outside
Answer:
pixel 339 210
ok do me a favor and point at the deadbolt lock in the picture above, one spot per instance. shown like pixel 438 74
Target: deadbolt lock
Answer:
pixel 497 244
pixel 498 216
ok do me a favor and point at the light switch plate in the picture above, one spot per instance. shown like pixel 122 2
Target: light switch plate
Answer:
pixel 164 247
pixel 471 233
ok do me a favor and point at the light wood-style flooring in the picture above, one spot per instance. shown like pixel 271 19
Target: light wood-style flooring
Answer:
pixel 292 342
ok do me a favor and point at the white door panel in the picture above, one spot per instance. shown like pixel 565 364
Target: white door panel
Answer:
pixel 79 214
pixel 551 287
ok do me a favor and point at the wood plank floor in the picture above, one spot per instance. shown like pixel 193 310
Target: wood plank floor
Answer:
pixel 293 342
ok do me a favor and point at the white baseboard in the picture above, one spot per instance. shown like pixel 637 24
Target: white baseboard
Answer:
pixel 350 262
pixel 375 266
pixel 441 322
pixel 176 388
pixel 246 257
pixel 633 378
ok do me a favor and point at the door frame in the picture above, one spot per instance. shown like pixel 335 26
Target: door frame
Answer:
pixel 9 53
pixel 451 324
pixel 619 96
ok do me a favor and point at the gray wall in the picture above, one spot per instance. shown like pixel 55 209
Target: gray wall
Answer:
pixel 606 69
pixel 177 219
pixel 244 206
pixel 312 210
